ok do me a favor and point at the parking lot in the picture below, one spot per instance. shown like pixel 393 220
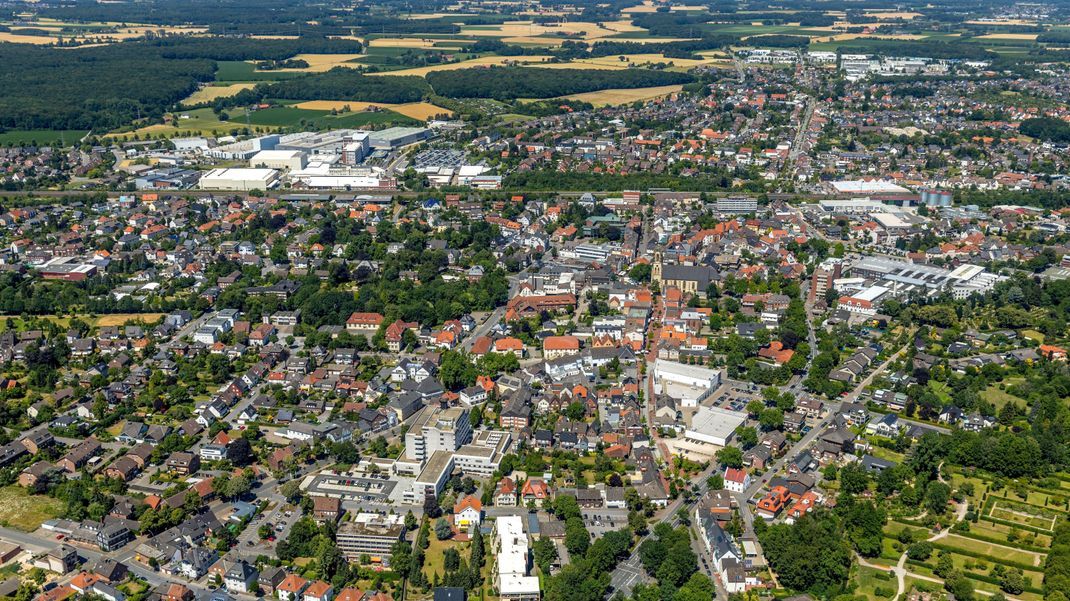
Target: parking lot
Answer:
pixel 601 520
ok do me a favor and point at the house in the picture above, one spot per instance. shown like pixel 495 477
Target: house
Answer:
pixel 241 578
pixel 326 509
pixel 887 425
pixel 291 587
pixel 62 559
pixel 37 472
pixel 183 463
pixel 270 579
pixel 505 495
pixel 951 415
pixel 736 480
pixel 350 593
pixel 468 512
pixel 535 491
pixel 319 591
pixel 364 323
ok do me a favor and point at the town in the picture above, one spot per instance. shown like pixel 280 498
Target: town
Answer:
pixel 490 302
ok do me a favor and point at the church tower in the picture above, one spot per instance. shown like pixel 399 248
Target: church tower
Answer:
pixel 655 268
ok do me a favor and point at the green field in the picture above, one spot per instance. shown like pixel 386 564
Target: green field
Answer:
pixel 867 580
pixel 984 548
pixel 23 511
pixel 243 71
pixel 65 137
pixel 286 116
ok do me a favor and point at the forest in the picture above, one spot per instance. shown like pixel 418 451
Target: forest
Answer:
pixel 244 49
pixel 339 83
pixel 508 83
pixel 92 88
pixel 1046 128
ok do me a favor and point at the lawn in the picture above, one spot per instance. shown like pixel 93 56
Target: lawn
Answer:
pixel 998 397
pixel 63 137
pixel 984 548
pixel 1000 511
pixel 26 512
pixel 867 581
pixel 433 557
pixel 1000 531
pixel 1034 335
pixel 941 390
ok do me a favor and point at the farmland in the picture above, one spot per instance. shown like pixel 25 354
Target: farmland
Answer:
pixel 41 136
pixel 624 96
pixel 211 93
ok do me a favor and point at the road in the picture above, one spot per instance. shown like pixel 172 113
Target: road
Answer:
pixel 804 126
pixel 38 543
pixel 493 319
pixel 630 571
pixel 832 411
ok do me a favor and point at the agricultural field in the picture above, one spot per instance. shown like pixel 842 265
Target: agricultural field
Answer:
pixel 236 71
pixel 627 60
pixel 485 61
pixel 63 137
pixel 111 319
pixel 22 511
pixel 290 116
pixel 317 63
pixel 211 93
pixel 624 96
pixel 513 30
pixel 421 111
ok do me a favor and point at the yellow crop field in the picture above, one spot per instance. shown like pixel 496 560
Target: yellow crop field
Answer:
pixel 529 29
pixel 909 16
pixel 318 63
pixel 485 61
pixel 1010 36
pixel 416 110
pixel 424 43
pixel 642 59
pixel 624 95
pixel 212 93
pixel 118 319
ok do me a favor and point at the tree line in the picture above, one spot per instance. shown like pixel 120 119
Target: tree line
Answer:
pixel 507 83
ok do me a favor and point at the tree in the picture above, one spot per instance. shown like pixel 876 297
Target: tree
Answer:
pixel 853 478
pixel 747 437
pixel 789 550
pixel 937 494
pixel 577 539
pixel 715 482
pixel 771 419
pixel 640 272
pixel 730 457
pixel 442 529
pixel 545 552
pixel 451 559
pixel 1012 581
pixel 240 452
pixel 920 551
pixel 456 370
